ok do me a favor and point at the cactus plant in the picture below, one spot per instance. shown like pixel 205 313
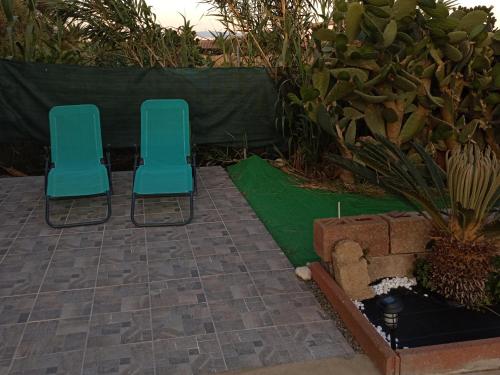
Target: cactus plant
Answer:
pixel 411 70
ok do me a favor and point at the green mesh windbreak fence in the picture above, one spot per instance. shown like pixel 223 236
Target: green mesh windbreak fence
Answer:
pixel 227 106
pixel 288 211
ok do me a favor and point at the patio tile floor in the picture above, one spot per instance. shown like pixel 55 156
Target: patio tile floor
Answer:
pixel 215 295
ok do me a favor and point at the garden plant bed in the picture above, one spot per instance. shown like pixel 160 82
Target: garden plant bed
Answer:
pixel 432 320
pixel 477 353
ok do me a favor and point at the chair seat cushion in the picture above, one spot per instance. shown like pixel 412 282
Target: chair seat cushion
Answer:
pixel 89 180
pixel 157 179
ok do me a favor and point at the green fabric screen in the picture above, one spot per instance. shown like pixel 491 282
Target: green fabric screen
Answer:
pixel 228 106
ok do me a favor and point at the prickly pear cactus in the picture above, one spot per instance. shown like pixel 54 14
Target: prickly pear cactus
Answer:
pixel 405 69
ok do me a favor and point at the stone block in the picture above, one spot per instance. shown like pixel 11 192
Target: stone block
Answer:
pixel 396 265
pixel 354 280
pixel 409 232
pixel 370 231
pixel 346 252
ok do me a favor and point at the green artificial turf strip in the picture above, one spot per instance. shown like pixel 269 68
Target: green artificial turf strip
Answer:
pixel 288 211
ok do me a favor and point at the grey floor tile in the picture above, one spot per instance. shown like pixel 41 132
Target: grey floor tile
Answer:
pixel 230 202
pixel 238 314
pixel 207 216
pixel 14 217
pixel 121 298
pixel 122 273
pixel 5 366
pixel 265 260
pixel 22 274
pixel 21 196
pixel 89 202
pixel 237 213
pixel 5 244
pixel 124 210
pixel 9 231
pixel 246 228
pixel 201 203
pixel 294 308
pixel 87 214
pixel 217 181
pixel 126 253
pixel 10 335
pixel 161 205
pixel 54 364
pixel 64 304
pixel 277 345
pixel 207 230
pixel 122 222
pixel 177 292
pixel 277 282
pixel 189 355
pixel 34 245
pixel 238 284
pixel 53 336
pixel 259 347
pixel 232 286
pixel 255 242
pixel 212 246
pixel 220 264
pixel 181 321
pixel 36 226
pixel 79 240
pixel 119 328
pixel 72 269
pixel 130 359
pixel 98 228
pixel 161 218
pixel 16 212
pixel 178 268
pixel 159 251
pixel 166 234
pixel 16 309
pixel 124 237
pixel 322 339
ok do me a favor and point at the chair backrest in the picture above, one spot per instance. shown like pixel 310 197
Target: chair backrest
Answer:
pixel 165 133
pixel 75 135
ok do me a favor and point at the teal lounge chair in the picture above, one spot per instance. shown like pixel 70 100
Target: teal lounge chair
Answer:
pixel 76 167
pixel 165 166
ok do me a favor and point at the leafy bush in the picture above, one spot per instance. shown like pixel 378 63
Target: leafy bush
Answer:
pixel 421 272
pixel 493 285
pixel 461 261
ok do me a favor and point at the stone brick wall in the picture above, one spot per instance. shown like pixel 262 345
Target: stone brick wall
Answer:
pixel 391 242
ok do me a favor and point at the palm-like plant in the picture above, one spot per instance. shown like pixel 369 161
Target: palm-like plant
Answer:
pixel 457 202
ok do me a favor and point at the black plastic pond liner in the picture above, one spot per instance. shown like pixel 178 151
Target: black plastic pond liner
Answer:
pixel 432 320
pixel 228 106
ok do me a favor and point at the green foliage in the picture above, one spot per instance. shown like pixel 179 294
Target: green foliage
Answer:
pixel 95 32
pixel 421 272
pixel 458 204
pixel 468 190
pixel 493 285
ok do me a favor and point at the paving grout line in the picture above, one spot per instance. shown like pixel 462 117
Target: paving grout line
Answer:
pixel 226 367
pixel 36 296
pixel 20 230
pixel 85 347
pixel 149 293
pixel 38 292
pixel 243 260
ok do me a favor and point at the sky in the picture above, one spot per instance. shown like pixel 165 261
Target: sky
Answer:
pixel 168 11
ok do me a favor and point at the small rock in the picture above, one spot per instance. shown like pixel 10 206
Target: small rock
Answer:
pixel 303 272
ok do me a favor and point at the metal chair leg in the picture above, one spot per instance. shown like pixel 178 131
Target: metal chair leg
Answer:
pixel 81 224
